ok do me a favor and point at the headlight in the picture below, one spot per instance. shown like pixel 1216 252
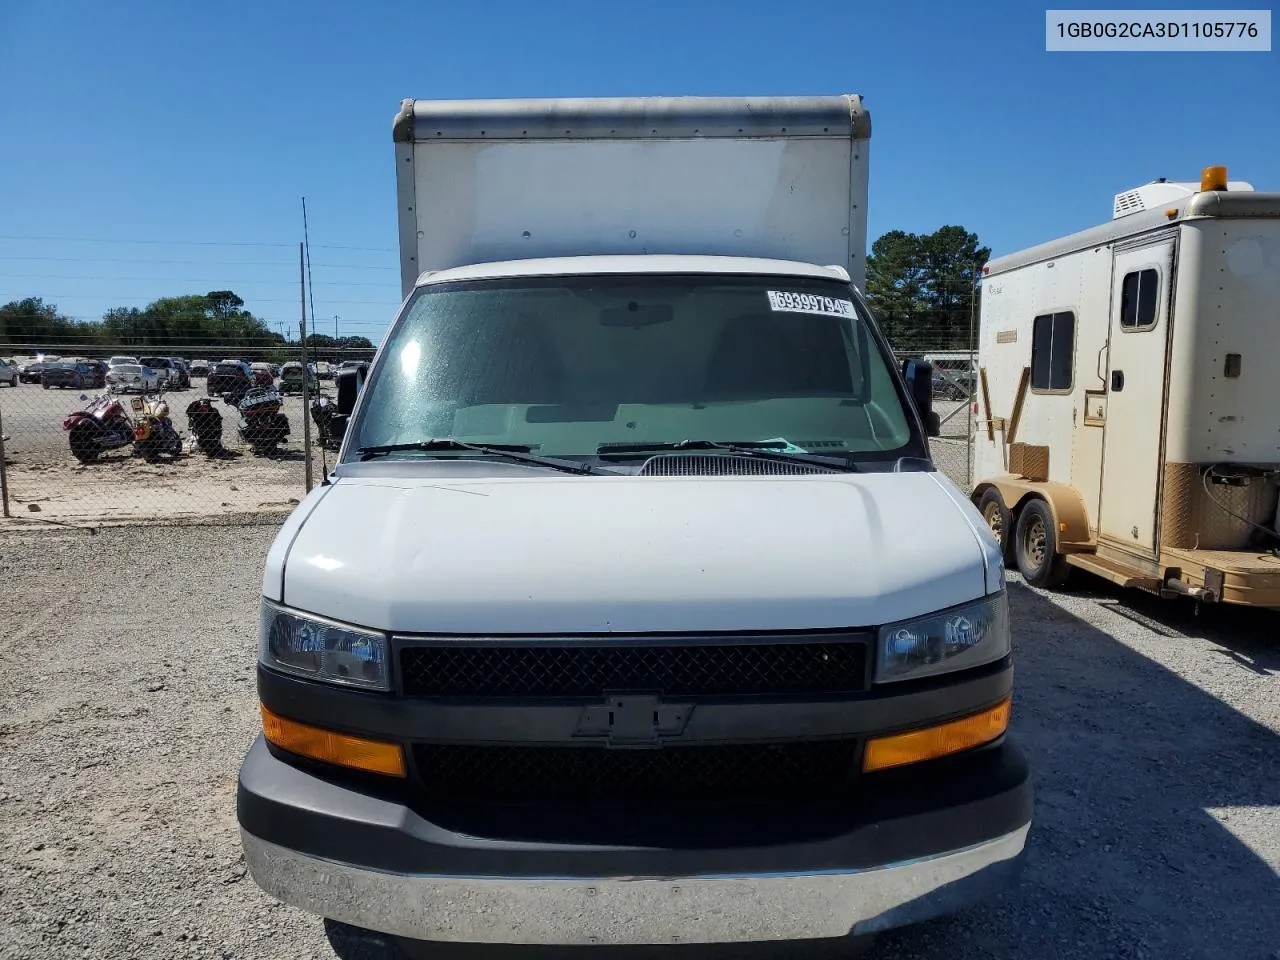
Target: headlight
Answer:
pixel 322 649
pixel 955 639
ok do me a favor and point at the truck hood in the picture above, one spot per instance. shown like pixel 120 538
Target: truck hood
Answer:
pixel 557 554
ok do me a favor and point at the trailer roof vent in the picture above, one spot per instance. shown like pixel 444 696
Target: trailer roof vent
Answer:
pixel 1160 193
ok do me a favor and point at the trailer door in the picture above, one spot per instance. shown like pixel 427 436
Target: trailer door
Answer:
pixel 1138 345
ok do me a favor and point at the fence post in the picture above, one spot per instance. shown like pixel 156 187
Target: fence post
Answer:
pixel 306 380
pixel 4 473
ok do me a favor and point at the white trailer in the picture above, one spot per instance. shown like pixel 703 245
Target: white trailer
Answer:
pixel 770 177
pixel 1128 396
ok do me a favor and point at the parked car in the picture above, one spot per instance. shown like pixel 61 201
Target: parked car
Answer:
pixel 264 374
pixel 168 372
pixel 30 372
pixel 116 361
pixel 97 368
pixel 8 372
pixel 134 378
pixel 184 372
pixel 291 377
pixel 199 368
pixel 324 370
pixel 230 379
pixel 65 374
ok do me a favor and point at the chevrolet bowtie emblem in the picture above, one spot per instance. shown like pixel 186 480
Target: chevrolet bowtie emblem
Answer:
pixel 633 720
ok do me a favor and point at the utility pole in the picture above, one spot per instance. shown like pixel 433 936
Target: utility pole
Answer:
pixel 335 327
pixel 306 379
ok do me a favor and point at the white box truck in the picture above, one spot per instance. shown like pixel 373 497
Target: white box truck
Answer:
pixel 634 611
pixel 1128 393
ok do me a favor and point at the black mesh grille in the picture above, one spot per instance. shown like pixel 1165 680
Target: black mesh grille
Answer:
pixel 550 669
pixel 719 465
pixel 738 773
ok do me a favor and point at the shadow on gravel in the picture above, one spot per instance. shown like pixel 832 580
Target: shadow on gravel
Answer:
pixel 1125 858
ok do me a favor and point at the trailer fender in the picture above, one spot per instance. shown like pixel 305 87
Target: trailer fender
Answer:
pixel 1069 512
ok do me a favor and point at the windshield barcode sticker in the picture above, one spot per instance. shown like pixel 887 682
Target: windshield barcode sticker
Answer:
pixel 790 302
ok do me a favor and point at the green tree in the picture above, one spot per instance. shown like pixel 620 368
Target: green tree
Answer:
pixel 32 324
pixel 321 346
pixel 921 285
pixel 895 284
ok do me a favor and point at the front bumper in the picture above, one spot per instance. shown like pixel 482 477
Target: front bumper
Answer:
pixel 921 848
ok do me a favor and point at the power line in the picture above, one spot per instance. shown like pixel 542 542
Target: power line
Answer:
pixel 390 304
pixel 191 243
pixel 200 263
pixel 201 280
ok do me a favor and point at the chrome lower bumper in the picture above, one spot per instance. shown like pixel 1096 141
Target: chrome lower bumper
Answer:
pixel 637 910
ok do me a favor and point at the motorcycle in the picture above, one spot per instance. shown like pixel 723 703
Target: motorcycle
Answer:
pixel 102 425
pixel 206 424
pixel 153 432
pixel 262 424
pixel 329 423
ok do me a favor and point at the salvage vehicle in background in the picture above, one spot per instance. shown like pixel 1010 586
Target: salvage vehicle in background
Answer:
pixel 205 423
pixel 1125 423
pixel 262 424
pixel 8 372
pixel 264 374
pixel 30 372
pixel 77 376
pixel 230 380
pixel 169 376
pixel 183 373
pixel 154 434
pixel 291 375
pixel 528 673
pixel 199 368
pixel 102 425
pixel 133 378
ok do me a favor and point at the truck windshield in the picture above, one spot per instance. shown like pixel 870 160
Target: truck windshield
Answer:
pixel 566 365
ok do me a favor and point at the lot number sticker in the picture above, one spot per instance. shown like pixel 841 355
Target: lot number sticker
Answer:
pixel 790 302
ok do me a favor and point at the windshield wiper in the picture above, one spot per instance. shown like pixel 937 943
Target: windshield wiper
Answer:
pixel 764 449
pixel 518 452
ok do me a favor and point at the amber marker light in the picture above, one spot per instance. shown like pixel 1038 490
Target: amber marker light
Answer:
pixel 954 736
pixel 340 749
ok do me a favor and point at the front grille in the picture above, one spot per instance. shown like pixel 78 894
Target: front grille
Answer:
pixel 549 668
pixel 739 773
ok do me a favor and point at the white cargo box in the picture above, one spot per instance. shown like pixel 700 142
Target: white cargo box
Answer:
pixel 488 180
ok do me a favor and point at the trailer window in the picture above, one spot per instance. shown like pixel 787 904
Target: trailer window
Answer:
pixel 1053 337
pixel 1138 299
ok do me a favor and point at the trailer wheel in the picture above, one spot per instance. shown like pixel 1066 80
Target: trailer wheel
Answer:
pixel 999 521
pixel 1036 546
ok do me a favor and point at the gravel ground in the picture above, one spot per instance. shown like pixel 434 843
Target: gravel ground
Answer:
pixel 1155 753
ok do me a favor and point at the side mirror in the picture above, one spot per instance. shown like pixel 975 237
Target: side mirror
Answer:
pixel 350 383
pixel 919 377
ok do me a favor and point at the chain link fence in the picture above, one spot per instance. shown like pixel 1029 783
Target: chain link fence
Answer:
pixel 84 437
pixel 954 391
pixel 53 473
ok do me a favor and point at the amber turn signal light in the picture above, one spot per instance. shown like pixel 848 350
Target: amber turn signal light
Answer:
pixel 341 749
pixel 954 736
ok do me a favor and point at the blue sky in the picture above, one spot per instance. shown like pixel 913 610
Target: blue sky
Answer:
pixel 205 123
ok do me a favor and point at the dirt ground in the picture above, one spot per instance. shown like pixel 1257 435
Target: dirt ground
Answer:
pixel 1153 734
